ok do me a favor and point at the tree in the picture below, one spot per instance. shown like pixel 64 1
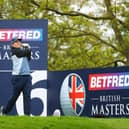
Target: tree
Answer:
pixel 82 34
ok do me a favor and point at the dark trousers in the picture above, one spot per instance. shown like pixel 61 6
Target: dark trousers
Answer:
pixel 21 83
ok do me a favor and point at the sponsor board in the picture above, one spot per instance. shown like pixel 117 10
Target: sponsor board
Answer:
pixel 24 34
pixel 109 81
pixel 105 92
pixel 33 32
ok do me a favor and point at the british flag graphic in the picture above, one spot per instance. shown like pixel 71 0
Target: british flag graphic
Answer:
pixel 76 93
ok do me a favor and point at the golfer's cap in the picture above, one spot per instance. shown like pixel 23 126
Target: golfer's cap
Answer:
pixel 15 39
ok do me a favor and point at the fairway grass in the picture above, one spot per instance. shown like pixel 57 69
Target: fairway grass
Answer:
pixel 24 122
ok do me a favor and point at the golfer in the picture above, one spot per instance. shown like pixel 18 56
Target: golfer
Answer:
pixel 21 79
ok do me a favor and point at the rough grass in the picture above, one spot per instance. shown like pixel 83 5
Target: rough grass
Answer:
pixel 24 122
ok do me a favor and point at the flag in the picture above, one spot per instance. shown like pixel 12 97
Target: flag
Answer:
pixel 76 93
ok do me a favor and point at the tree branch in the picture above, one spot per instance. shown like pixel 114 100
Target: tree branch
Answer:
pixel 113 62
pixel 67 36
pixel 46 3
pixel 35 3
pixel 76 14
pixel 86 34
pixel 123 24
pixel 114 22
pixel 96 44
pixel 106 43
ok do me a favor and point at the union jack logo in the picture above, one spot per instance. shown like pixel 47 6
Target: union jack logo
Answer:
pixel 76 93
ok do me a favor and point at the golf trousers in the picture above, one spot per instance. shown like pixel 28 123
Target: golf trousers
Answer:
pixel 21 83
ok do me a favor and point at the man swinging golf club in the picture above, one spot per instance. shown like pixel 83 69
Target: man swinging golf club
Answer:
pixel 21 79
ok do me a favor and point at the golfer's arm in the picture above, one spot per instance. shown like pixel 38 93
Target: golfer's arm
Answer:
pixel 21 52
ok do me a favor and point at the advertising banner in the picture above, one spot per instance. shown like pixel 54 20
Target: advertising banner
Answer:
pixel 34 33
pixel 90 92
pixel 99 92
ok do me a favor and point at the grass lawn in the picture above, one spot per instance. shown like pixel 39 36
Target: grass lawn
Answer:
pixel 24 122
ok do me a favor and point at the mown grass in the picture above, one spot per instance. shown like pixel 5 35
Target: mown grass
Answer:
pixel 24 122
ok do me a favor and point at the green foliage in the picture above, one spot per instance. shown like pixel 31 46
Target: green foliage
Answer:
pixel 1 2
pixel 78 36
